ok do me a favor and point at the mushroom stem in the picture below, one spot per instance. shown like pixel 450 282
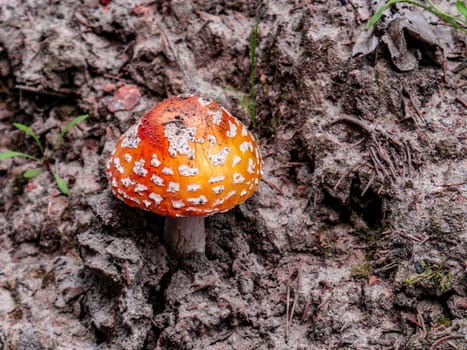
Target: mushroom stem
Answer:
pixel 184 235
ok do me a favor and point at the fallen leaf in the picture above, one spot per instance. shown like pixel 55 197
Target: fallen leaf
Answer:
pixel 124 99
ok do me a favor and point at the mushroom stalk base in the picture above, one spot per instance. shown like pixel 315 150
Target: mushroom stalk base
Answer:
pixel 185 235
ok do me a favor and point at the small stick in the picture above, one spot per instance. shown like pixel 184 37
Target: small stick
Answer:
pixel 415 107
pixel 462 101
pixel 323 302
pixel 299 282
pixel 378 163
pixel 197 287
pixel 305 311
pixel 422 321
pixel 273 186
pixel 344 174
pixel 454 184
pixel 354 121
pixel 42 91
pixel 287 306
pixel 352 145
pixel 127 274
pixel 370 181
pixel 347 172
pixel 412 319
pixel 409 160
pixel 384 156
pixel 440 340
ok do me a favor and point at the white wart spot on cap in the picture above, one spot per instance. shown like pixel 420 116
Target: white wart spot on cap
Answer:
pixel 126 181
pixel 127 157
pixel 118 165
pixel 178 204
pixel 114 182
pixel 236 160
pixel 218 189
pixel 216 116
pixel 198 200
pixel 187 171
pixel 215 179
pixel 230 194
pixel 122 194
pixel 198 210
pixel 158 181
pixel 193 187
pixel 251 166
pixel 244 131
pixel 233 130
pixel 133 199
pixel 203 102
pixel 245 146
pixel 178 136
pixel 238 178
pixel 212 140
pixel 155 162
pixel 146 203
pixel 244 192
pixel 140 188
pixel 138 168
pixel 219 158
pixel 156 198
pixel 218 201
pixel 131 140
pixel 167 171
pixel 173 187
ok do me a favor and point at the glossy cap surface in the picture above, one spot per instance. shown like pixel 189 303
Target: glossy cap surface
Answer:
pixel 186 157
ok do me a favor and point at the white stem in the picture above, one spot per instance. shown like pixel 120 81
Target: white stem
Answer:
pixel 185 235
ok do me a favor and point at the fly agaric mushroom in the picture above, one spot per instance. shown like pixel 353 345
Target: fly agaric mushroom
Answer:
pixel 185 159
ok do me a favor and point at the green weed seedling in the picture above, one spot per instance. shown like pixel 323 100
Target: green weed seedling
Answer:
pixel 248 102
pixel 433 273
pixel 361 271
pixel 46 154
pixel 457 21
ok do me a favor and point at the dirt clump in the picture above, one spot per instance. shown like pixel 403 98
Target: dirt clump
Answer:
pixel 355 239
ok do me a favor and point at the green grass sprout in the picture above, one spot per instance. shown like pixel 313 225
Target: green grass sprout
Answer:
pixel 248 103
pixel 456 21
pixel 46 154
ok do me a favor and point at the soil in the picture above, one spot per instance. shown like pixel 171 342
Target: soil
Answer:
pixel 356 238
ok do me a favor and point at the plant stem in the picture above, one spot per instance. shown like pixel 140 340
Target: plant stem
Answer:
pixel 452 20
pixel 253 44
pixel 185 235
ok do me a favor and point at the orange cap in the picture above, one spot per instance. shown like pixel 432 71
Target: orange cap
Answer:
pixel 186 157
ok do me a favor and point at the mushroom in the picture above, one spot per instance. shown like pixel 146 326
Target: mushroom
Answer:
pixel 185 159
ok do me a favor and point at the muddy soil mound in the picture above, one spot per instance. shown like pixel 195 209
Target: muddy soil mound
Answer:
pixel 355 239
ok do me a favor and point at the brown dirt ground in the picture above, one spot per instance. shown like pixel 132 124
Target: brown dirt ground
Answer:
pixel 356 238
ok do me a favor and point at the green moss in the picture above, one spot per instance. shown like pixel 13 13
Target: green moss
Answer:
pixel 444 321
pixel 434 274
pixel 361 271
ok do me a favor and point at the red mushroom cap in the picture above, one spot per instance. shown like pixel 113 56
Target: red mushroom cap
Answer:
pixel 186 157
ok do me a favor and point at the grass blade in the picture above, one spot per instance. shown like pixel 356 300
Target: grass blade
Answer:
pixel 379 12
pixel 72 124
pixel 61 184
pixel 31 133
pixel 461 8
pixel 29 174
pixel 11 154
pixel 253 43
